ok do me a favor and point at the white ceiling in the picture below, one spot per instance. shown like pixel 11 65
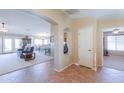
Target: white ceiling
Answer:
pixel 22 22
pixel 98 13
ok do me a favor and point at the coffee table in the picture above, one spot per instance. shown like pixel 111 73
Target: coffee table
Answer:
pixel 29 56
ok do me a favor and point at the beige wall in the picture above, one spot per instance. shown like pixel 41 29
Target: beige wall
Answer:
pixel 116 53
pixel 62 21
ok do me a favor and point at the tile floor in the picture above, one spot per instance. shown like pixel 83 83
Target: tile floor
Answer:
pixel 44 73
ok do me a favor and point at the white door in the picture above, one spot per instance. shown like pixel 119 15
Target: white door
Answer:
pixel 85 46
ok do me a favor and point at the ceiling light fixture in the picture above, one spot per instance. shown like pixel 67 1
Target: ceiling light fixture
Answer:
pixel 115 31
pixel 3 29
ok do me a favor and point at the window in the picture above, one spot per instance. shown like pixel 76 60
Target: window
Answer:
pixel 120 42
pixel 45 41
pixel 115 43
pixel 38 42
pixel 7 45
pixel 111 42
pixel 18 43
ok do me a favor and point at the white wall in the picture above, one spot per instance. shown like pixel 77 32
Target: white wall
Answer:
pixel 116 53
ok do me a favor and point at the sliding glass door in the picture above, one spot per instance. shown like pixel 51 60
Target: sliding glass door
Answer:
pixel 7 45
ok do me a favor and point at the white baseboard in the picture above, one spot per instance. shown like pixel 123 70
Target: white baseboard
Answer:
pixel 76 64
pixel 94 68
pixel 64 68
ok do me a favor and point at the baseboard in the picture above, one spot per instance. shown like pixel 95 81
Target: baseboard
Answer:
pixel 63 68
pixel 76 64
pixel 95 69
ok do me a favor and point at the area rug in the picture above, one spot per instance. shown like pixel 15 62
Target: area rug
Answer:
pixel 114 62
pixel 11 62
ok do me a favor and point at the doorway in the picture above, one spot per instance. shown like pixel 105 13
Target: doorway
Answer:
pixel 113 50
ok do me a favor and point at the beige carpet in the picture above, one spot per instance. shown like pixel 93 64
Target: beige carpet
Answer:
pixel 115 62
pixel 11 62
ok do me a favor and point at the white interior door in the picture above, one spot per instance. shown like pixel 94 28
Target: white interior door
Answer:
pixel 85 46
